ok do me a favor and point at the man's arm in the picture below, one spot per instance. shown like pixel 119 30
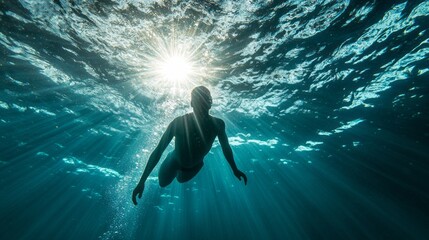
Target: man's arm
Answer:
pixel 153 160
pixel 227 151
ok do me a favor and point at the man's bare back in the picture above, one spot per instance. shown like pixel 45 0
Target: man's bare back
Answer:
pixel 194 135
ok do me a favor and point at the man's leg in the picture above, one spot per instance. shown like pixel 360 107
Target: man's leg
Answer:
pixel 184 175
pixel 168 170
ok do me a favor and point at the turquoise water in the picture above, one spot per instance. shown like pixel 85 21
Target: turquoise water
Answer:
pixel 325 103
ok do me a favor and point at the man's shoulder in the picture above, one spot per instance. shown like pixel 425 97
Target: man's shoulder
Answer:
pixel 182 117
pixel 218 122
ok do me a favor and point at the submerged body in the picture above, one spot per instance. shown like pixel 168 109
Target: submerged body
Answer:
pixel 194 135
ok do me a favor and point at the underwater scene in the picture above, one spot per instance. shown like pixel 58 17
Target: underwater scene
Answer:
pixel 321 128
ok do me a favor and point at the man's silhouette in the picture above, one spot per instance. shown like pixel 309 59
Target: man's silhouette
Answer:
pixel 194 135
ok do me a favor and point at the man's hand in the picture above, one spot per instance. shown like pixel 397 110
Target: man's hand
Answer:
pixel 138 190
pixel 240 174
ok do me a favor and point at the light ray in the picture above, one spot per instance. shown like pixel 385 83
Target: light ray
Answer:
pixel 174 66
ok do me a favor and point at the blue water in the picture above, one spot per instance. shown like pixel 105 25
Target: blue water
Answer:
pixel 326 106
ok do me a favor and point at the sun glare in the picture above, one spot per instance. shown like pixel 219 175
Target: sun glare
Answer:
pixel 175 66
pixel 175 69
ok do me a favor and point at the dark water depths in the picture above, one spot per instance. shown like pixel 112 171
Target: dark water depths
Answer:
pixel 326 106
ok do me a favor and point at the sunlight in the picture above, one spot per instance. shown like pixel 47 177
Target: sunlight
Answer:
pixel 175 69
pixel 173 65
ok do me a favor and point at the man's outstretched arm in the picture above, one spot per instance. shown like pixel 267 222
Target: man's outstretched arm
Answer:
pixel 153 160
pixel 227 151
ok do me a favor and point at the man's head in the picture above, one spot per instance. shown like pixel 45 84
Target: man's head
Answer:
pixel 201 99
